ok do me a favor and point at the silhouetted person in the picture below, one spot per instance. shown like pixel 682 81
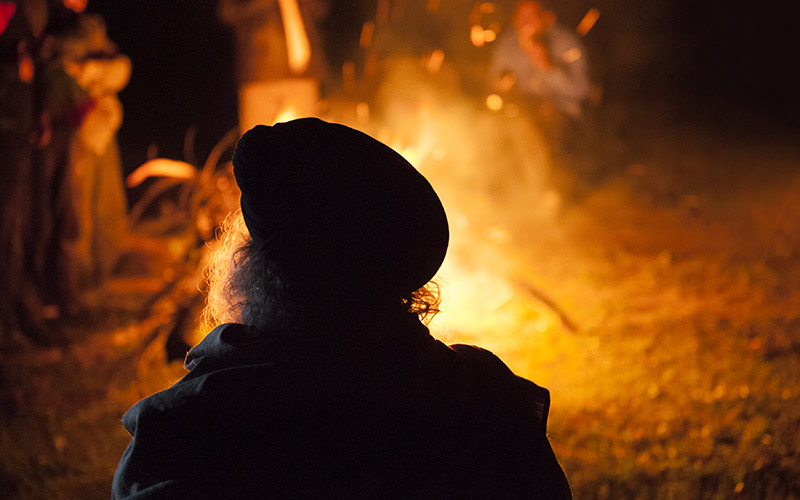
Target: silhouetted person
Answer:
pixel 322 382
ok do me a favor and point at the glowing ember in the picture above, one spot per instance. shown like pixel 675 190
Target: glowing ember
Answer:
pixel 476 35
pixel 494 102
pixel 26 66
pixel 435 61
pixel 588 21
pixel 76 5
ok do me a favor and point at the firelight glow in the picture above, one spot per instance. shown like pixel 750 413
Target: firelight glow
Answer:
pixel 297 44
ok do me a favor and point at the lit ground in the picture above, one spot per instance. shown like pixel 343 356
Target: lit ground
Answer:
pixel 660 306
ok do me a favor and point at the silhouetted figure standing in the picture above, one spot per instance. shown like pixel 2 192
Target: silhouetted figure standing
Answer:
pixel 322 382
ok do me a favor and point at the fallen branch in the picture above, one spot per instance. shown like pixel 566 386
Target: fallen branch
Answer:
pixel 545 299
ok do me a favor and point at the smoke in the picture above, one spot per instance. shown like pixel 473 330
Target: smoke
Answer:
pixel 494 174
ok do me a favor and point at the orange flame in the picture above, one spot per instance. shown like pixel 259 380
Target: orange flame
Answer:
pixel 161 167
pixel 297 44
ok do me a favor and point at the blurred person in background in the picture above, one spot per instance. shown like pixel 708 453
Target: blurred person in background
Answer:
pixel 93 61
pixel 321 380
pixel 542 63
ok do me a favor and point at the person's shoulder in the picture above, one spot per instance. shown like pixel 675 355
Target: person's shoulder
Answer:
pixel 491 374
pixel 487 365
pixel 211 370
pixel 481 357
pixel 173 402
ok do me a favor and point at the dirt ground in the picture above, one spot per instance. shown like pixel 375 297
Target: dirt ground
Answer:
pixel 658 303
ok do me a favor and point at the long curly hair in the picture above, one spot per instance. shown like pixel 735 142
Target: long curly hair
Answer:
pixel 244 284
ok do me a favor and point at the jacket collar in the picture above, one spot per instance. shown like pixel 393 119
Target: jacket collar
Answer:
pixel 233 344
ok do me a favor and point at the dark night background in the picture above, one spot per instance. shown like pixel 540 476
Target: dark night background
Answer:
pixel 724 63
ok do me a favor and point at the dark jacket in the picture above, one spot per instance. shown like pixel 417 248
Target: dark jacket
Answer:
pixel 390 415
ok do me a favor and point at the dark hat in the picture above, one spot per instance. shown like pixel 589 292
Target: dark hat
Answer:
pixel 334 198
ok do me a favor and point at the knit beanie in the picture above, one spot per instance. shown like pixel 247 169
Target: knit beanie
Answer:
pixel 336 203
